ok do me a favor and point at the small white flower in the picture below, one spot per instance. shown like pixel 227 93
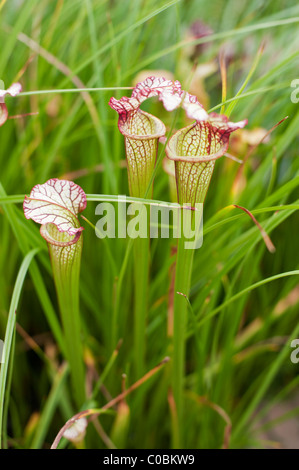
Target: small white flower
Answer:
pixel 76 432
pixel 13 90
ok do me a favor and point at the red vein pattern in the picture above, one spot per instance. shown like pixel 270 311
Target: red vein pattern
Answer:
pixel 56 202
pixel 170 93
pixel 194 150
pixel 143 130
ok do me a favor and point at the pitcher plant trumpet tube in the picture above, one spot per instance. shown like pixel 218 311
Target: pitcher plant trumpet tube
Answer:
pixel 142 132
pixel 194 150
pixel 55 205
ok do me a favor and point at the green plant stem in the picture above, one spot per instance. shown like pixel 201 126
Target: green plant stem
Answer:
pixel 141 254
pixel 66 272
pixel 117 302
pixel 184 265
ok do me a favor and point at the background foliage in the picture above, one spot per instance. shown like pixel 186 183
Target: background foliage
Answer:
pixel 238 358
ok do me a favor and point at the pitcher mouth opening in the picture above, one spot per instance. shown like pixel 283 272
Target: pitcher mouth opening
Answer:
pixel 158 128
pixel 45 233
pixel 171 150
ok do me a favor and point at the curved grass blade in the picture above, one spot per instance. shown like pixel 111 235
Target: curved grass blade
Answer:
pixel 10 328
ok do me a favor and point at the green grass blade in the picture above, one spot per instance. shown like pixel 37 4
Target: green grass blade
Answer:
pixel 10 328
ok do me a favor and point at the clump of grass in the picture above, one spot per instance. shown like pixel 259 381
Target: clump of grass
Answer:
pixel 242 305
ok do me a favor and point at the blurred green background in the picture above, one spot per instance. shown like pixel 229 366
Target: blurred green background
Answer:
pixel 238 360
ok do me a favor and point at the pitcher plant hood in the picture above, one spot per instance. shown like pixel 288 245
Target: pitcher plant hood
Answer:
pixel 56 202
